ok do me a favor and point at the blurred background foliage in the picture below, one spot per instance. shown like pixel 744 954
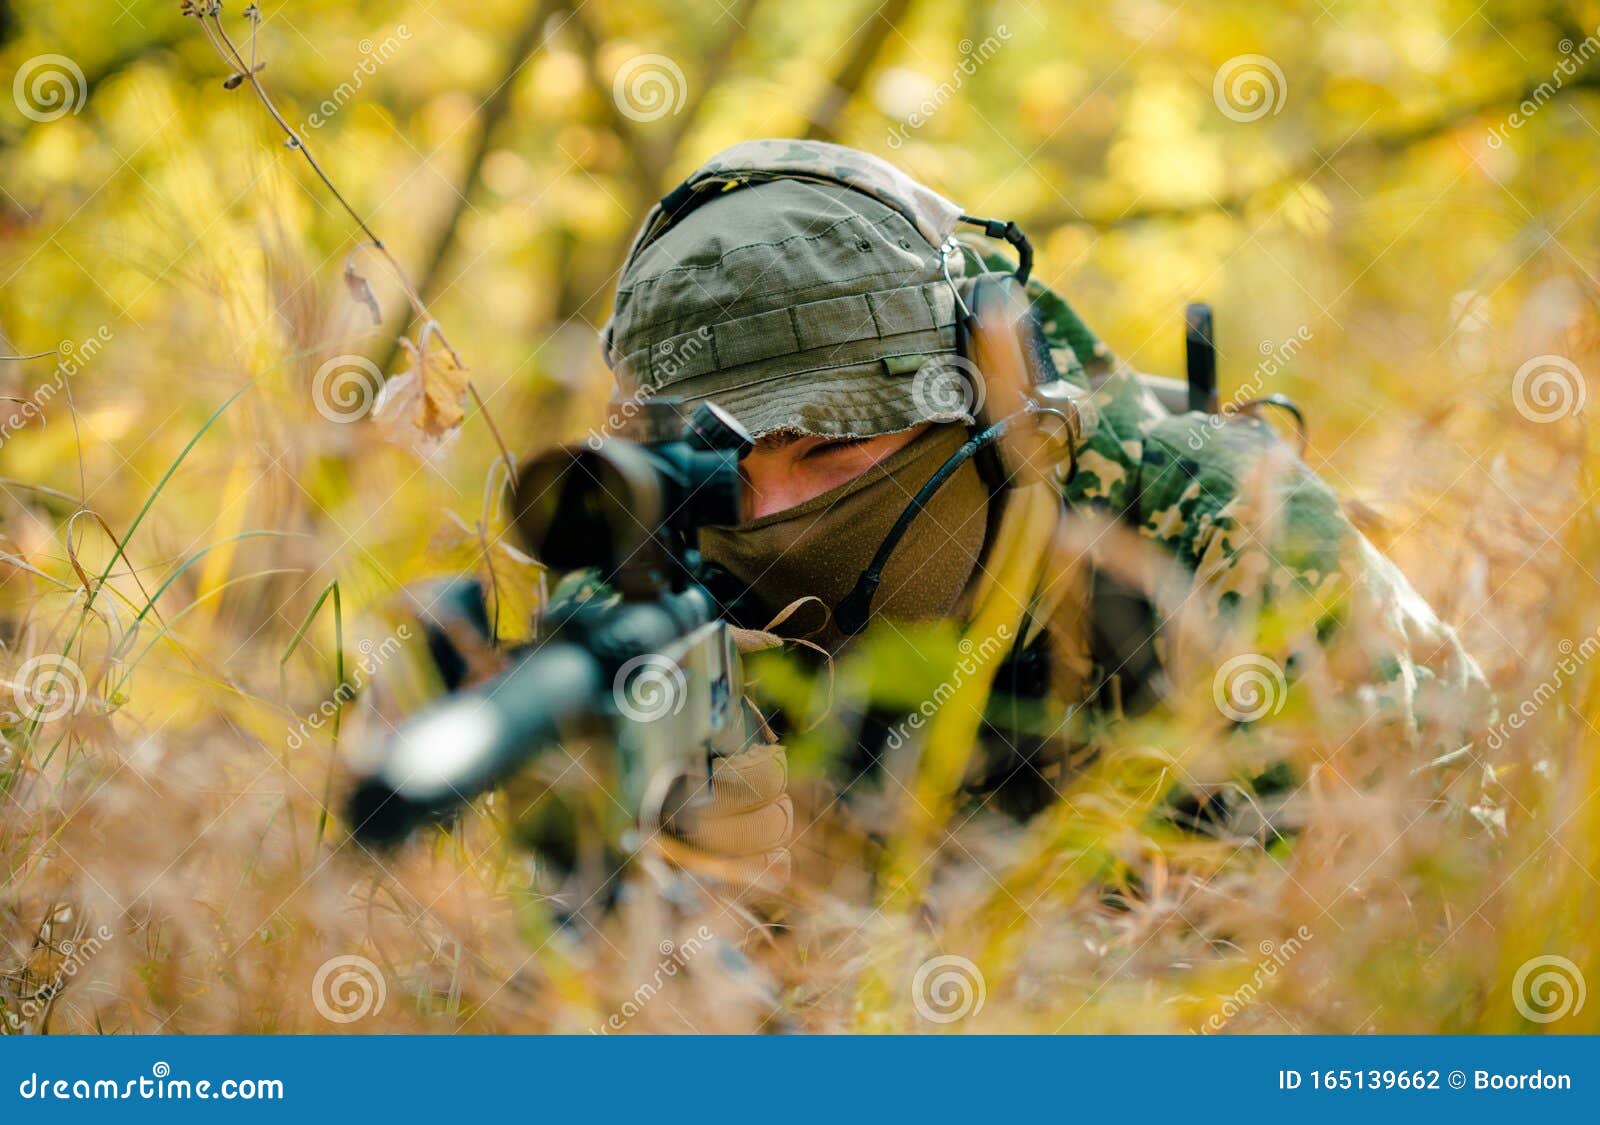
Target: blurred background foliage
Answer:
pixel 1374 211
pixel 486 148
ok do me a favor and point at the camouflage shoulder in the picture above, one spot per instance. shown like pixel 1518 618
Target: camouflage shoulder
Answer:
pixel 1225 492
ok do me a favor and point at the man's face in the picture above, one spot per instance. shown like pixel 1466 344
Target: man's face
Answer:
pixel 788 469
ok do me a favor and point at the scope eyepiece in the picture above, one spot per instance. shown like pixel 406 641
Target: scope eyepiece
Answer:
pixel 631 509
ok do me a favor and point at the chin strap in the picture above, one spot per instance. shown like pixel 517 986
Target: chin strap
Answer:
pixel 853 610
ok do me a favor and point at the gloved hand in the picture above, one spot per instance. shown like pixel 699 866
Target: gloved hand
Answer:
pixel 743 821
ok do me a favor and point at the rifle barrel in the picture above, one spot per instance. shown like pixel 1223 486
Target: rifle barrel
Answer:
pixel 472 740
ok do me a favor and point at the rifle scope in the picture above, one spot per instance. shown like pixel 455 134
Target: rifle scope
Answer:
pixel 628 508
pixel 633 511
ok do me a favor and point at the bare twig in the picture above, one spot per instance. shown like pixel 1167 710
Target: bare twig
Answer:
pixel 209 13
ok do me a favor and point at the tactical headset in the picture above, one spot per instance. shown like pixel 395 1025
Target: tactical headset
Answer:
pixel 996 326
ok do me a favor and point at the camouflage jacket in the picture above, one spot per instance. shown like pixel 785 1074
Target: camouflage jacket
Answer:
pixel 1272 595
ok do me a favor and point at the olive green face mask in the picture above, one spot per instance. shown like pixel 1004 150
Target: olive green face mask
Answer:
pixel 820 547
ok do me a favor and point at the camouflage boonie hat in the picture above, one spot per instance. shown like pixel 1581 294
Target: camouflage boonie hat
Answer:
pixel 799 285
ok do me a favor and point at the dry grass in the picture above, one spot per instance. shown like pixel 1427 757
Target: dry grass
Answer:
pixel 174 808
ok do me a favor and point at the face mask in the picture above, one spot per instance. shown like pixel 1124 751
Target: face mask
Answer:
pixel 819 548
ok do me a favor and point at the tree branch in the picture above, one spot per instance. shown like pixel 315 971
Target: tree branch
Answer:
pixel 712 69
pixel 865 47
pixel 209 14
pixel 1386 143
pixel 649 157
pixel 496 107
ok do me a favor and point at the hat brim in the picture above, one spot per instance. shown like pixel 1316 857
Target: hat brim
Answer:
pixel 845 402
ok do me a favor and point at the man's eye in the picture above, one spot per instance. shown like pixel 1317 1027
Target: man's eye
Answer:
pixel 828 447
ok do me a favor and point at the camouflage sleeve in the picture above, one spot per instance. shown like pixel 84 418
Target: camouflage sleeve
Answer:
pixel 1277 566
pixel 1272 561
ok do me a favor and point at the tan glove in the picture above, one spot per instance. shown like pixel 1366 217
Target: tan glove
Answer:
pixel 746 822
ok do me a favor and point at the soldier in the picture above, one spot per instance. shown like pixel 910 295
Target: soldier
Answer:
pixel 820 296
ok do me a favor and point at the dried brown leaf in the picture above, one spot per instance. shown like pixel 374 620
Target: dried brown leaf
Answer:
pixel 360 292
pixel 421 406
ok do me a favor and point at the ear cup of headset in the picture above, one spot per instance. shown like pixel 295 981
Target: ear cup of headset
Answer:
pixel 1005 343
